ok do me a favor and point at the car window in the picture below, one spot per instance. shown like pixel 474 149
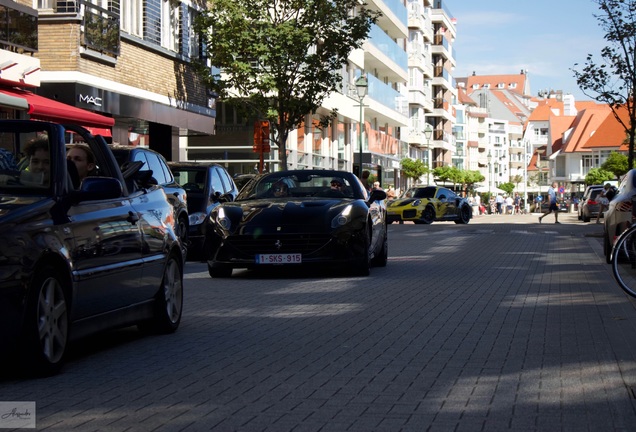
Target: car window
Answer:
pixel 427 192
pixel 228 183
pixel 158 172
pixel 447 193
pixel 217 184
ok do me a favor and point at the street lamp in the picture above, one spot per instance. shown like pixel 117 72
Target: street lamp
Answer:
pixel 428 132
pixel 489 157
pixel 362 86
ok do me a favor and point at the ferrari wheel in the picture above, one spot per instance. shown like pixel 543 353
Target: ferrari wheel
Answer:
pixel 363 266
pixel 428 215
pixel 381 258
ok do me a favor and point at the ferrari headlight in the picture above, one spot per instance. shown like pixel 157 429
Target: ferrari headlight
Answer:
pixel 343 218
pixel 223 221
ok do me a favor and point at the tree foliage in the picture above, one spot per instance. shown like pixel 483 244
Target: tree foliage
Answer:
pixel 613 78
pixel 507 187
pixel 598 176
pixel 472 177
pixel 616 163
pixel 279 59
pixel 414 168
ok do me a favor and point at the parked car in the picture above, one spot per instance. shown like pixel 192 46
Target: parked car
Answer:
pixel 207 186
pixel 299 217
pixel 619 216
pixel 156 167
pixel 425 204
pixel 589 205
pixel 79 258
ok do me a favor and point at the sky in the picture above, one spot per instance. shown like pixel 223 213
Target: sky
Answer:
pixel 546 38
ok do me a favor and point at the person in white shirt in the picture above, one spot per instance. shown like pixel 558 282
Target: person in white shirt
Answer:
pixel 509 205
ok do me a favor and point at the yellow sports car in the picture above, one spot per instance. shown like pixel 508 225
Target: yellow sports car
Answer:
pixel 425 204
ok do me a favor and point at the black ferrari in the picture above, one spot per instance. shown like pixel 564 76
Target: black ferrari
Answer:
pixel 298 218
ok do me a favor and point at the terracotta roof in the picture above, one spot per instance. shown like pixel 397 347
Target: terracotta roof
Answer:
pixel 558 126
pixel 611 134
pixel 512 82
pixel 532 166
pixel 584 126
pixel 463 97
pixel 541 113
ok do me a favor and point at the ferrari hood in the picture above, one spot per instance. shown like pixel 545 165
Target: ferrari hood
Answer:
pixel 265 216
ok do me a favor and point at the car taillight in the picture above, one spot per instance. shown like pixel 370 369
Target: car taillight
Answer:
pixel 591 202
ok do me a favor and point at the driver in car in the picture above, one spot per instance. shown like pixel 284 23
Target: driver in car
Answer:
pixel 280 189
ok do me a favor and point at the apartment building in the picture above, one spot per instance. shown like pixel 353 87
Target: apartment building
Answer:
pixel 444 90
pixel 127 61
pixel 367 134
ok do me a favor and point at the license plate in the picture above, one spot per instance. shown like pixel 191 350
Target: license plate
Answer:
pixel 291 258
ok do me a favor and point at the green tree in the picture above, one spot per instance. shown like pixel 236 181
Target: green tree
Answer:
pixel 507 187
pixel 414 168
pixel 616 163
pixel 279 59
pixel 472 177
pixel 597 176
pixel 444 173
pixel 613 79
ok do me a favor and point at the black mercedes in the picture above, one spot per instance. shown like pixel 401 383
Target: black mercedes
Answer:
pixel 297 218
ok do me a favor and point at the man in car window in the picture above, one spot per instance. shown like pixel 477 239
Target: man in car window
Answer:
pixel 83 158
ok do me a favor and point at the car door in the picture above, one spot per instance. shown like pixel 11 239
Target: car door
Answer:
pixel 445 203
pixel 107 254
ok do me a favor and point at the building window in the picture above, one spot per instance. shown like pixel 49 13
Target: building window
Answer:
pixel 131 14
pixel 170 25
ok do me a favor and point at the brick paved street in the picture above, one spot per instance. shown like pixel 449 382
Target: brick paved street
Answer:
pixel 501 324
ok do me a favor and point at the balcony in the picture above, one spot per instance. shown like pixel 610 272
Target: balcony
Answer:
pixel 385 56
pixel 101 30
pixel 18 28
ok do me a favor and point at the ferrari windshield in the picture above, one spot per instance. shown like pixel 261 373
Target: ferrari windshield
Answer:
pixel 295 184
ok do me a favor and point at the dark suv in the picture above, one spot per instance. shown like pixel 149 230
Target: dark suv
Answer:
pixel 156 169
pixel 589 206
pixel 207 186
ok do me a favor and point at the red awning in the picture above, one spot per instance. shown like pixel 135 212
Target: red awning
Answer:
pixel 41 108
pixel 99 131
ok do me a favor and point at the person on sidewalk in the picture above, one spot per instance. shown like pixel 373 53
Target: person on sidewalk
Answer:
pixel 604 198
pixel 553 207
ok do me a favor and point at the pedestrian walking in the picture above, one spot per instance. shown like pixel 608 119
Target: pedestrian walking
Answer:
pixel 500 202
pixel 509 205
pixel 517 203
pixel 552 206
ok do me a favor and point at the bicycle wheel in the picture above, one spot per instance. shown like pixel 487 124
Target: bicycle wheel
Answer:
pixel 624 261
